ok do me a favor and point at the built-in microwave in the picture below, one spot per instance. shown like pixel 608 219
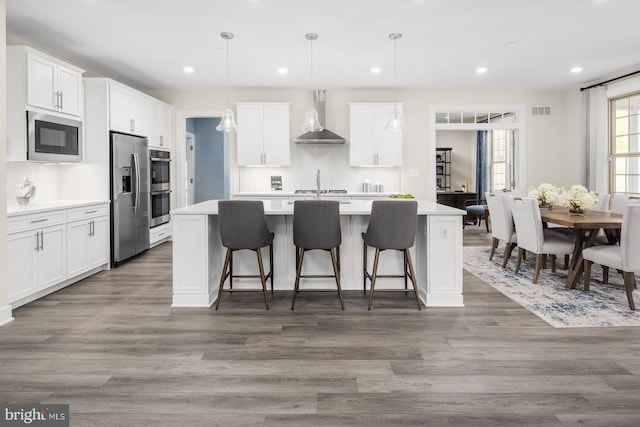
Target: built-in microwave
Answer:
pixel 53 139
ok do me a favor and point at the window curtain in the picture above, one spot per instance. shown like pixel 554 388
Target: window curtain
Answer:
pixel 482 162
pixel 594 131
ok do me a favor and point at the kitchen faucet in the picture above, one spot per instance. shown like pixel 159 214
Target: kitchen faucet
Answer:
pixel 318 185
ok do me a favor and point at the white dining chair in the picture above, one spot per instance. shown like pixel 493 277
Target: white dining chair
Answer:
pixel 501 225
pixel 603 203
pixel 624 257
pixel 533 237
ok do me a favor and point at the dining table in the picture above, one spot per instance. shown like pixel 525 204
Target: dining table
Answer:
pixel 586 229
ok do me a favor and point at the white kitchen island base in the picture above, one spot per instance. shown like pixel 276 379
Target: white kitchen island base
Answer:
pixel 198 254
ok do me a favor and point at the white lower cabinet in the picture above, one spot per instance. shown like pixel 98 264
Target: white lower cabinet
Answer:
pixel 37 260
pixel 87 244
pixel 52 249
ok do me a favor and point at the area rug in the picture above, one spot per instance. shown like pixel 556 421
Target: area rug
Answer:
pixel 601 306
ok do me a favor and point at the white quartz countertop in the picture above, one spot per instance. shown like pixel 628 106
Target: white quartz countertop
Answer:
pixel 48 205
pixel 355 207
pixel 292 194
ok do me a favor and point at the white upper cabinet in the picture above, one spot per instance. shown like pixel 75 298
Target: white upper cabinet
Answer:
pixel 370 144
pixel 263 133
pixel 53 84
pixel 160 128
pixel 128 110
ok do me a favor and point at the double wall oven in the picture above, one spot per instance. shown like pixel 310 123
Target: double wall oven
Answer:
pixel 159 187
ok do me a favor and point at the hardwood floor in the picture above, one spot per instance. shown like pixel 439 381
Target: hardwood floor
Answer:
pixel 113 348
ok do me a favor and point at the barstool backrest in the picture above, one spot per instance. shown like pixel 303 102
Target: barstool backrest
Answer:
pixel 392 224
pixel 316 224
pixel 243 224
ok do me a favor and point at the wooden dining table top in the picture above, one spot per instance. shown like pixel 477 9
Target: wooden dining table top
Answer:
pixel 591 220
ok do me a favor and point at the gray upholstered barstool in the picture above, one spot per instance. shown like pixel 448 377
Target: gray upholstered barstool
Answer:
pixel 243 226
pixel 316 225
pixel 392 225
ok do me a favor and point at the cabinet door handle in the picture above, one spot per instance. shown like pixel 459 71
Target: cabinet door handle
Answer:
pixel 61 100
pixel 37 241
pixel 42 240
pixel 161 141
pixel 93 228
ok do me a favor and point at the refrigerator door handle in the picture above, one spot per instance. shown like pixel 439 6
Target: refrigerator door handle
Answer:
pixel 136 164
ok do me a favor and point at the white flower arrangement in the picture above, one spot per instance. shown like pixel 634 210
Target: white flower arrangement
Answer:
pixel 546 194
pixel 578 198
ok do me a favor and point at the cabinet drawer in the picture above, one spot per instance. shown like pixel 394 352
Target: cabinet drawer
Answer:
pixel 158 233
pixel 33 221
pixel 90 211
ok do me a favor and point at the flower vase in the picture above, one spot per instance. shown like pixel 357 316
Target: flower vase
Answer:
pixel 544 206
pixel 576 211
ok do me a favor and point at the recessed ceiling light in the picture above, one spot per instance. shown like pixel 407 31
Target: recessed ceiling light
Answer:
pixel 512 44
pixel 576 69
pixel 283 70
pixel 188 69
pixel 376 70
pixel 481 70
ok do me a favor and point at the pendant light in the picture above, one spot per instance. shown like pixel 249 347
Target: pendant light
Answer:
pixel 311 122
pixel 228 122
pixel 395 119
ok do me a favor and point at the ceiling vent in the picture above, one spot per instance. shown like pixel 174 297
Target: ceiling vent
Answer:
pixel 540 111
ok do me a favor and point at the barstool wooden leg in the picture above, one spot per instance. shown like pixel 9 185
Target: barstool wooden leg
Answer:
pixel 231 271
pixel 413 279
pixel 223 276
pixel 364 269
pixel 404 267
pixel 373 278
pixel 336 271
pixel 271 265
pixel 262 279
pixel 299 257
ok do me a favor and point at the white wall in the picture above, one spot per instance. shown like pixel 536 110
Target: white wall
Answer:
pixel 553 148
pixel 5 309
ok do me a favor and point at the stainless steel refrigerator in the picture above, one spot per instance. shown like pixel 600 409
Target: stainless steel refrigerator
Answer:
pixel 129 161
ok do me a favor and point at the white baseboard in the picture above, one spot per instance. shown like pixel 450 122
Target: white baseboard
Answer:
pixel 5 315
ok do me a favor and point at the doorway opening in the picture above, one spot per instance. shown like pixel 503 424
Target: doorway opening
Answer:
pixel 202 159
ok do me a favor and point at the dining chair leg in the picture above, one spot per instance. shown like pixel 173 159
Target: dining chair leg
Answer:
pixel 494 245
pixel 222 277
pixel 629 282
pixel 413 278
pixel 262 279
pixel 553 263
pixel 373 278
pixel 587 274
pixel 519 262
pixel 486 220
pixel 299 257
pixel 540 259
pixel 336 271
pixel 566 261
pixel 605 274
pixel 507 254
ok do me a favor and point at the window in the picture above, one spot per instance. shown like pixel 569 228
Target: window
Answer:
pixel 498 177
pixel 625 149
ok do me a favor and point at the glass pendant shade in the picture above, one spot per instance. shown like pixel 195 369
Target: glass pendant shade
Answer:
pixel 228 122
pixel 311 122
pixel 395 122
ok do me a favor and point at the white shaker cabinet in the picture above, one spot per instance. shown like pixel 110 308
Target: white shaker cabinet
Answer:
pixel 370 144
pixel 263 133
pixel 128 110
pixel 53 84
pixel 37 258
pixel 160 129
pixel 87 238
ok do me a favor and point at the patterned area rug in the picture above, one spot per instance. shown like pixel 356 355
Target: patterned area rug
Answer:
pixel 601 306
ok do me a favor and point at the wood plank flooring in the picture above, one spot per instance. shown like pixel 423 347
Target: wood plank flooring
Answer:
pixel 114 350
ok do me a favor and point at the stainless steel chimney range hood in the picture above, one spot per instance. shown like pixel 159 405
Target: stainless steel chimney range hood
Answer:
pixel 325 136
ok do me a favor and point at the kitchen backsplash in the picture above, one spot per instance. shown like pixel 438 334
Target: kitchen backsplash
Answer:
pixel 45 176
pixel 335 172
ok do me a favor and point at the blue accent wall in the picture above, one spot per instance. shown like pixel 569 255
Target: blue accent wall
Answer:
pixel 211 159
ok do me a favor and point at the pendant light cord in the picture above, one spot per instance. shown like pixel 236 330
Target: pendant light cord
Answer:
pixel 227 71
pixel 395 73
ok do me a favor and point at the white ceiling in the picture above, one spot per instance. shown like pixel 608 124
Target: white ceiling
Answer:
pixel 146 43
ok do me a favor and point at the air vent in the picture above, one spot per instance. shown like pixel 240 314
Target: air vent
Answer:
pixel 540 111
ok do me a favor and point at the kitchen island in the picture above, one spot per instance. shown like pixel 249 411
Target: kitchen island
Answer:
pixel 198 255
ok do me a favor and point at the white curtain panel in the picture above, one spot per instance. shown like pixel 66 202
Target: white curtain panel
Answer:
pixel 594 131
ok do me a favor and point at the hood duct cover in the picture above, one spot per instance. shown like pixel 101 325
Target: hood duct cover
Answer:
pixel 325 136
